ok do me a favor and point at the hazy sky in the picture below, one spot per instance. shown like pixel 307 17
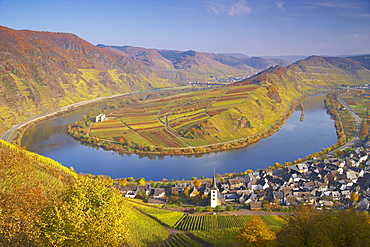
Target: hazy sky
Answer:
pixel 252 27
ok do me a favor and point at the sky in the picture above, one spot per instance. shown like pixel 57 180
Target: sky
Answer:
pixel 251 27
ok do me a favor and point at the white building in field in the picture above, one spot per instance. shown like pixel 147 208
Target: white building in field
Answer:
pixel 214 195
pixel 100 118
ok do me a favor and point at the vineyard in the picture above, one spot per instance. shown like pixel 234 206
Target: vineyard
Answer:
pixel 359 104
pixel 201 121
pixel 180 239
pixel 205 118
pixel 211 222
pixel 218 230
pixel 186 222
pixel 39 159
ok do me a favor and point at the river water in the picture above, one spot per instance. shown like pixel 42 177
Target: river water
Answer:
pixel 296 139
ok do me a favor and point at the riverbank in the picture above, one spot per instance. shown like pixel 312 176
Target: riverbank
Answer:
pixel 16 132
pixel 81 132
pixel 294 140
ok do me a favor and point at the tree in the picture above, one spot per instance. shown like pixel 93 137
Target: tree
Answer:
pixel 229 208
pixel 277 165
pixel 309 227
pixel 24 191
pixel 208 208
pixel 199 209
pixel 186 191
pixel 302 229
pixel 142 195
pixel 151 148
pixel 364 129
pixel 256 233
pixel 91 212
pixel 347 228
pixel 173 199
pixel 122 182
pixel 141 181
pixel 218 208
pixel 197 183
pixel 354 196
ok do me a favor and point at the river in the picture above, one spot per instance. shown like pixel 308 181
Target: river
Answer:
pixel 296 139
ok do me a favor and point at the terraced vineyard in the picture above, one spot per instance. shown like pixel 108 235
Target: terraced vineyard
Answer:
pixel 220 118
pixel 205 118
pixel 180 239
pixel 211 222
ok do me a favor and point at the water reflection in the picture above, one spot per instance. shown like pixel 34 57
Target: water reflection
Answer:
pixel 296 139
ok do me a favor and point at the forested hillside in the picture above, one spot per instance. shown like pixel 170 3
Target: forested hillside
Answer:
pixel 43 71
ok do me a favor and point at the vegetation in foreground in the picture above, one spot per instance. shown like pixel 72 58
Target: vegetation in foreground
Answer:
pixel 42 204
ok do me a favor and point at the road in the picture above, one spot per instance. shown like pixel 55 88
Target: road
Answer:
pixel 358 121
pixel 5 136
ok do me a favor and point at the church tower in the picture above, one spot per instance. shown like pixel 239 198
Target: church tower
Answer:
pixel 215 196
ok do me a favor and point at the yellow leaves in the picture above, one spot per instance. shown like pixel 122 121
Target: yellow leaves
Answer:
pixel 88 213
pixel 255 233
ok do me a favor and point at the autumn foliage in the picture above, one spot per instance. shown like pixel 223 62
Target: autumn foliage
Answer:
pixel 256 233
pixel 40 205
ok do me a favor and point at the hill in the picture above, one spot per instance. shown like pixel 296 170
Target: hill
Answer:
pixel 191 65
pixel 181 66
pixel 364 59
pixel 259 63
pixel 221 118
pixel 44 71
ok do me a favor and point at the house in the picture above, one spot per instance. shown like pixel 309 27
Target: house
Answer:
pixel 351 175
pixel 255 205
pixel 279 195
pixel 100 118
pixel 236 183
pixel 363 204
pixel 194 192
pixel 232 197
pixel 158 193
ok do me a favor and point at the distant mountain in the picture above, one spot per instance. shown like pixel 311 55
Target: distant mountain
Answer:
pixel 291 59
pixel 241 62
pixel 237 55
pixel 364 59
pixel 182 66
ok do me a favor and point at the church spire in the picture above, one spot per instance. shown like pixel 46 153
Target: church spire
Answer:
pixel 214 183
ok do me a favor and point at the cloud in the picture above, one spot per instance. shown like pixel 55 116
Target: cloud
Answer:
pixel 356 36
pixel 322 45
pixel 360 37
pixel 279 5
pixel 239 8
pixel 338 4
pixel 285 18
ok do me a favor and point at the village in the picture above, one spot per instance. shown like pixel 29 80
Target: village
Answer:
pixel 332 183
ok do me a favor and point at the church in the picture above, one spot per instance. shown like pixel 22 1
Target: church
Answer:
pixel 215 197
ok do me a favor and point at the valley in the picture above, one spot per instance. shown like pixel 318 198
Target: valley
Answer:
pixel 166 124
